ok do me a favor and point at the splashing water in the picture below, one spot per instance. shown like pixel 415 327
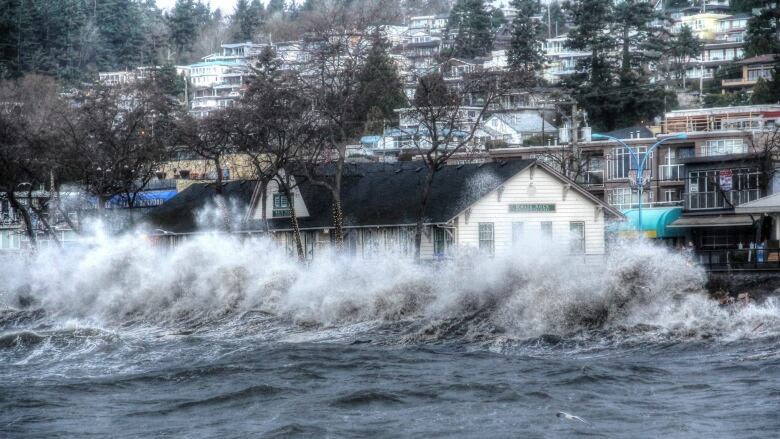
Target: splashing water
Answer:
pixel 223 337
pixel 530 293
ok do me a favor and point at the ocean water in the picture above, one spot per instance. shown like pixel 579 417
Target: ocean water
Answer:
pixel 221 338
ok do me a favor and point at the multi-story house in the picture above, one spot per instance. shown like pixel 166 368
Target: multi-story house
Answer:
pixel 124 77
pixel 705 25
pixel 713 56
pixel 753 69
pixel 729 162
pixel 732 28
pixel 217 80
pixel 561 61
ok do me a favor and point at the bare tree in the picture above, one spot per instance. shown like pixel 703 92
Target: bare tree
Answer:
pixel 444 126
pixel 29 109
pixel 117 139
pixel 209 138
pixel 272 125
pixel 336 45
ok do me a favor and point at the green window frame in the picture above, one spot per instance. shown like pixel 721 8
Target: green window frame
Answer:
pixel 281 205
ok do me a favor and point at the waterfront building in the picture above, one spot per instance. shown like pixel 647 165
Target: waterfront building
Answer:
pixel 487 207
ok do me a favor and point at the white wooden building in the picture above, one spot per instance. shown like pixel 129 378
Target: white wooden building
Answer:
pixel 489 207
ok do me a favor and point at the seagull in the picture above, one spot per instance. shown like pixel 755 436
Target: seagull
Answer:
pixel 569 417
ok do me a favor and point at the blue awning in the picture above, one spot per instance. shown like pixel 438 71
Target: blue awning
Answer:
pixel 655 222
pixel 143 199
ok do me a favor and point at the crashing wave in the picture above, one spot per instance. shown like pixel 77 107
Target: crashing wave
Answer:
pixel 213 281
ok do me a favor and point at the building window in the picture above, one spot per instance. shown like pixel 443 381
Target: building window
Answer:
pixel 671 195
pixel 282 206
pixel 724 147
pixel 487 238
pixel 517 232
pixel 621 162
pixel 546 227
pixel 705 190
pixel 442 240
pixel 626 197
pixel 577 238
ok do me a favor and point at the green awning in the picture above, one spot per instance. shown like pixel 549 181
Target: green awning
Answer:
pixel 655 222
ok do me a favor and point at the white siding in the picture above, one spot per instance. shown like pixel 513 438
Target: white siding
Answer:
pixel 548 189
pixel 271 189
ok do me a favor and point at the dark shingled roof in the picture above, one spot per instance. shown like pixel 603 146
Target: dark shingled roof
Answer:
pixel 372 194
pixel 179 213
pixel 389 193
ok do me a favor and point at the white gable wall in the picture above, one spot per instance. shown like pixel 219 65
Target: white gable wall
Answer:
pixel 271 189
pixel 548 189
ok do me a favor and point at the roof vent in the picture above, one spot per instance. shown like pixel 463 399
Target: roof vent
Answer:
pixel 502 163
pixel 397 171
pixel 418 169
pixel 459 166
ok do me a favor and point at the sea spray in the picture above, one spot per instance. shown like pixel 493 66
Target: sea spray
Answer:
pixel 213 278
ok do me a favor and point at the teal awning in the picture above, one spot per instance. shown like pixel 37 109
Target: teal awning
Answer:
pixel 655 222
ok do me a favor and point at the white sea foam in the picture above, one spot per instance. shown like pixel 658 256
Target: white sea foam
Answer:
pixel 533 291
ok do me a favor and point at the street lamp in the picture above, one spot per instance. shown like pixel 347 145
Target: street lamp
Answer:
pixel 640 164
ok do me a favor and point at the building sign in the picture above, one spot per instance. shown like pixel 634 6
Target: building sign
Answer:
pixel 725 180
pixel 531 207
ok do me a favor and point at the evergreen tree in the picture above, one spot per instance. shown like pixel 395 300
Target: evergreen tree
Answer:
pixel 746 5
pixel 119 29
pixel 470 27
pixel 247 19
pixel 525 52
pixel 763 33
pixel 615 92
pixel 275 6
pixel 379 89
pixel 767 91
pixel 182 23
pixel 683 47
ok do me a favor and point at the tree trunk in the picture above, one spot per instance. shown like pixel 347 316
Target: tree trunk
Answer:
pixel 338 224
pixel 28 227
pixel 421 214
pixel 264 204
pixel 221 206
pixel 626 67
pixel 294 220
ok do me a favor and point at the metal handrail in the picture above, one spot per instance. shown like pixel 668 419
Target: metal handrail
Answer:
pixel 736 259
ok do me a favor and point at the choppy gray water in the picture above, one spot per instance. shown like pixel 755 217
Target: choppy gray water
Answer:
pixel 221 338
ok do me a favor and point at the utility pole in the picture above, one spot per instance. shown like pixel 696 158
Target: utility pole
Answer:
pixel 575 127
pixel 549 21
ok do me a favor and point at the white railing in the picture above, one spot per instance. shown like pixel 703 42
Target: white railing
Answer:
pixel 672 172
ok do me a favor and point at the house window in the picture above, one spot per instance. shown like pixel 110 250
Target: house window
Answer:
pixel 622 162
pixel 577 237
pixel 671 195
pixel 705 191
pixel 517 232
pixel 546 227
pixel 442 240
pixel 487 238
pixel 282 206
pixel 724 147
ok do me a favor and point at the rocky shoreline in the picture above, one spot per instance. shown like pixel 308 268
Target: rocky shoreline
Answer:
pixel 758 285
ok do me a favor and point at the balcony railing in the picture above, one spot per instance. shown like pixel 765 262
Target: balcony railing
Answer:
pixel 592 179
pixel 718 200
pixel 718 150
pixel 749 259
pixel 672 172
